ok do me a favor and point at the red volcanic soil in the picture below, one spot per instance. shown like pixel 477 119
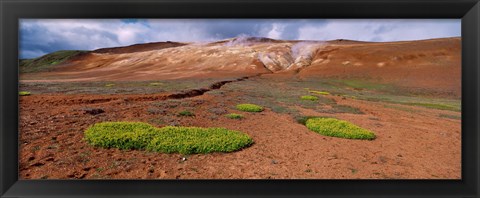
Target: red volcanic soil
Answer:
pixel 408 145
pixel 433 64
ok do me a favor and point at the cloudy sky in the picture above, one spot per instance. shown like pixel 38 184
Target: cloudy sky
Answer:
pixel 42 36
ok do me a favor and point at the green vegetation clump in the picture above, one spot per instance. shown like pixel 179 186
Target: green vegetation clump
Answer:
pixel 184 140
pixel 249 108
pixel 338 128
pixel 24 93
pixel 109 85
pixel 187 140
pixel 186 113
pixel 234 116
pixel 320 92
pixel 122 135
pixel 312 98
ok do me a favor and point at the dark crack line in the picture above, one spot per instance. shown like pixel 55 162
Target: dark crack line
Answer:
pixel 201 91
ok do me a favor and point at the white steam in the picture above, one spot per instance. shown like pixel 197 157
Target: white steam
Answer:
pixel 305 50
pixel 242 40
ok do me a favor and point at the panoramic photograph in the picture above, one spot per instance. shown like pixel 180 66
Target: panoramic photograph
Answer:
pixel 239 99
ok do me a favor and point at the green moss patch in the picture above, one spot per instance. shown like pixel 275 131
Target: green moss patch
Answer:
pixel 338 128
pixel 234 116
pixel 198 140
pixel 320 92
pixel 312 98
pixel 185 140
pixel 249 108
pixel 24 93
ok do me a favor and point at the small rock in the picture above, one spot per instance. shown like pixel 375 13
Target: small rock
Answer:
pixel 93 111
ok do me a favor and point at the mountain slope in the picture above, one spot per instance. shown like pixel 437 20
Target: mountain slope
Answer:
pixel 431 64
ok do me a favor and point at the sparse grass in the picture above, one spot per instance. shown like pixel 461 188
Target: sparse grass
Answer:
pixel 24 93
pixel 407 109
pixel 119 87
pixel 436 106
pixel 345 109
pixel 455 117
pixel 152 110
pixel 184 140
pixel 109 85
pixel 282 109
pixel 217 111
pixel 362 84
pixel 234 116
pixel 311 98
pixel 167 104
pixel 338 128
pixel 186 113
pixel 249 107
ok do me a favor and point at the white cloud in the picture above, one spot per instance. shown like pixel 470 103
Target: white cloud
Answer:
pixel 381 30
pixel 48 35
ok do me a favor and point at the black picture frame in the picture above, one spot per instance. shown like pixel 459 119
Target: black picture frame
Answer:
pixel 11 11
